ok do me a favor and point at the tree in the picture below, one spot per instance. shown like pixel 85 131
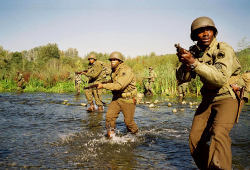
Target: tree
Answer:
pixel 71 52
pixel 17 60
pixel 47 52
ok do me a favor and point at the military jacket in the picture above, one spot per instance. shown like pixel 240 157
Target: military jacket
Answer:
pixel 214 66
pixel 123 84
pixel 95 73
pixel 152 76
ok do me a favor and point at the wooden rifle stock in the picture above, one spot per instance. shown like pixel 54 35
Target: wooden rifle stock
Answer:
pixel 96 85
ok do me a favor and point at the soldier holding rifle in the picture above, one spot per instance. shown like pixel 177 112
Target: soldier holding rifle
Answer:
pixel 96 74
pixel 150 81
pixel 123 87
pixel 215 63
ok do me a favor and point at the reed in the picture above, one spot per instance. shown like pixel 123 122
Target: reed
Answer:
pixel 57 74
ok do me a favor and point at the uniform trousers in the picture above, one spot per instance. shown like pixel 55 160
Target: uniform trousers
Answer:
pixel 128 110
pixel 212 123
pixel 78 86
pixel 97 93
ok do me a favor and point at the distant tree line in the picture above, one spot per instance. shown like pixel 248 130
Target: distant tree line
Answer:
pixel 48 67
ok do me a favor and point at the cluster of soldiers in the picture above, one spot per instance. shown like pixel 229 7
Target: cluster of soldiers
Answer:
pixel 122 85
pixel 222 93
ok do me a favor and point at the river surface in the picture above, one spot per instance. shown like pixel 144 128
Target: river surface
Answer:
pixel 42 130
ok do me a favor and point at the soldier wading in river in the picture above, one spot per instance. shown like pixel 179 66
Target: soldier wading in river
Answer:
pixel 150 82
pixel 215 63
pixel 123 87
pixel 78 81
pixel 95 74
pixel 20 82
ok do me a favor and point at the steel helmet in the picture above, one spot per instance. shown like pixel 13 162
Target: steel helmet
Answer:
pixel 202 22
pixel 92 56
pixel 116 55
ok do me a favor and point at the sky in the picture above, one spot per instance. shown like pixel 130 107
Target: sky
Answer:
pixel 133 27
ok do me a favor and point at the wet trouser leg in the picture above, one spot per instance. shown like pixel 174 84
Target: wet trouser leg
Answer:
pixel 128 109
pixel 213 122
pixel 89 95
pixel 112 114
pixel 98 96
pixel 150 87
pixel 77 85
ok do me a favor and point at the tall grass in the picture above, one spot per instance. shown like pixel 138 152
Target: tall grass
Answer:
pixel 57 75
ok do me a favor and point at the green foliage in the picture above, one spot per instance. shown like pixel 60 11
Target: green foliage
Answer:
pixel 7 85
pixel 47 69
pixel 244 57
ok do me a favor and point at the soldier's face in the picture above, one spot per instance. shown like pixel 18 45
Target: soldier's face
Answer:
pixel 114 63
pixel 91 60
pixel 205 36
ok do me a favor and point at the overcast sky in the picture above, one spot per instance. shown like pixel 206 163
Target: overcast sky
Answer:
pixel 133 27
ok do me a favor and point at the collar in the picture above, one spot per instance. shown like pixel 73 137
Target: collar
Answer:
pixel 210 49
pixel 119 66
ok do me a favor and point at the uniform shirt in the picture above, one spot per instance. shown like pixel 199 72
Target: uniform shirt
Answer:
pixel 95 72
pixel 215 66
pixel 123 83
pixel 152 76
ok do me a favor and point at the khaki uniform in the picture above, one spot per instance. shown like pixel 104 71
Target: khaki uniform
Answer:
pixel 20 82
pixel 124 92
pixel 150 82
pixel 182 89
pixel 78 81
pixel 96 75
pixel 217 112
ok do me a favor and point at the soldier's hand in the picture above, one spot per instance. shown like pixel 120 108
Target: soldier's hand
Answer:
pixel 186 58
pixel 100 86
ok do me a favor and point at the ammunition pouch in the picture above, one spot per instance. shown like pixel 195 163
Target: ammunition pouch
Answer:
pixel 129 95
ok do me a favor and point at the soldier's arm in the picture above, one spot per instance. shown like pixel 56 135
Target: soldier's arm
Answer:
pixel 125 77
pixel 95 71
pixel 218 73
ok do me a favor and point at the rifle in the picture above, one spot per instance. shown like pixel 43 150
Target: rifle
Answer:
pixel 188 74
pixel 80 72
pixel 239 93
pixel 96 85
pixel 179 49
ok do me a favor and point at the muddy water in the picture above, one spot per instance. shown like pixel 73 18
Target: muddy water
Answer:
pixel 42 130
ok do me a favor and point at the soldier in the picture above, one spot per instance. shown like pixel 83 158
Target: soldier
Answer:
pixel 151 80
pixel 182 90
pixel 78 81
pixel 20 81
pixel 96 75
pixel 123 87
pixel 215 63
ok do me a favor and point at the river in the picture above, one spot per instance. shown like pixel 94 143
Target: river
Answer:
pixel 54 131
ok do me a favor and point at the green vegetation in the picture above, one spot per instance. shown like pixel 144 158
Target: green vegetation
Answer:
pixel 48 69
